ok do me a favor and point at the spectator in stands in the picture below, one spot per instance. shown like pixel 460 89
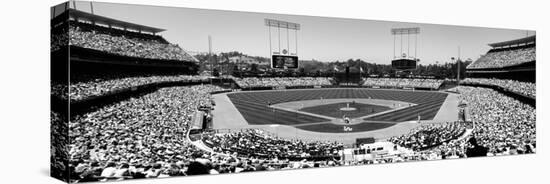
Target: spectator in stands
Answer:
pixel 502 124
pixel 148 130
pixel 524 88
pixel 430 135
pixel 504 58
pixel 257 143
pixel 145 137
pixel 111 41
pixel 86 88
pixel 403 83
pixel 283 81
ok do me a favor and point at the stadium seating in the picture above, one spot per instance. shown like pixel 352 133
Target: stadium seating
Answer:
pixel 504 58
pixel 403 83
pixel 58 40
pixel 145 136
pixel 502 124
pixel 524 88
pixel 254 142
pixel 127 44
pixel 430 135
pixel 145 131
pixel 283 81
pixel 89 87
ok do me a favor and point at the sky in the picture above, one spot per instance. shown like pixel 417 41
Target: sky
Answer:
pixel 320 38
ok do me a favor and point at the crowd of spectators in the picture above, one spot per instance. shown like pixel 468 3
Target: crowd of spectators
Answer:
pixel 429 135
pixel 254 142
pixel 58 40
pixel 403 83
pixel 145 133
pixel 59 90
pixel 504 58
pixel 502 124
pixel 106 40
pixel 282 81
pixel 59 140
pixel 99 86
pixel 144 137
pixel 198 163
pixel 524 88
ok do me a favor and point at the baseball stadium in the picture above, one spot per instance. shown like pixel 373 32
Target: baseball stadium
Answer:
pixel 131 100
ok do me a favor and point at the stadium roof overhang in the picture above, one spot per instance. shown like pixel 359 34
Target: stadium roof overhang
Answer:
pixel 525 40
pixel 80 15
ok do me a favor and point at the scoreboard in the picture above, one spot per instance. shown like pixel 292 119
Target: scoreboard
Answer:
pixel 403 64
pixel 284 61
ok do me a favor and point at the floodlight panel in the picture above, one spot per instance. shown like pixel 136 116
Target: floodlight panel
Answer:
pixel 400 31
pixel 282 24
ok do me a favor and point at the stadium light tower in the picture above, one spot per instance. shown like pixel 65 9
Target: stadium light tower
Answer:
pixel 404 61
pixel 284 58
pixel 408 32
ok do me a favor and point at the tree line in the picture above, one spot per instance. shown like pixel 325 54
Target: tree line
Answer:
pixel 219 63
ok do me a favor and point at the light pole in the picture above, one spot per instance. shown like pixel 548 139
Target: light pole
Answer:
pixel 457 67
pixel 457 70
